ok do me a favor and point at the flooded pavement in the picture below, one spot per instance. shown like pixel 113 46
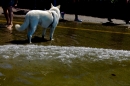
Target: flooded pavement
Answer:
pixel 82 54
pixel 70 33
pixel 36 65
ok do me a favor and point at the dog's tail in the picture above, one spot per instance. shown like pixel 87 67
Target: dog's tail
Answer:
pixel 24 25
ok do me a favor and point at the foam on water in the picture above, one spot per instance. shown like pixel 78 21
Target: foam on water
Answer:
pixel 33 52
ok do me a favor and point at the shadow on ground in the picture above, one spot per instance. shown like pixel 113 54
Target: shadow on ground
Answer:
pixel 110 24
pixel 2 26
pixel 35 39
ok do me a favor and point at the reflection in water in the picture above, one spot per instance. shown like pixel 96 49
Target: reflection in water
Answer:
pixel 117 39
pixel 5 66
pixel 1 74
pixel 5 35
pixel 23 65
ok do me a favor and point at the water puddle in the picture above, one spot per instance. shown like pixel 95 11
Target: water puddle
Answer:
pixel 27 65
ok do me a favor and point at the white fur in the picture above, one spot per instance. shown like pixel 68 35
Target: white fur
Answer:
pixel 43 18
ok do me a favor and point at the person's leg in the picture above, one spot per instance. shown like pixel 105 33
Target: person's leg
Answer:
pixel 62 8
pixel 77 19
pixel 62 15
pixel 76 16
pixel 109 19
pixel 54 3
pixel 10 16
pixel 5 10
pixel 76 12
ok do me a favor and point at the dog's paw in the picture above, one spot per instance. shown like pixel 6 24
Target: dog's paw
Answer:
pixel 51 39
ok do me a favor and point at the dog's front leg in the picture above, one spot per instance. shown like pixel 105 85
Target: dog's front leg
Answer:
pixel 43 33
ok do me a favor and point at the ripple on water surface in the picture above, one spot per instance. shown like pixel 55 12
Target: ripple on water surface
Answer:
pixel 23 65
pixel 32 52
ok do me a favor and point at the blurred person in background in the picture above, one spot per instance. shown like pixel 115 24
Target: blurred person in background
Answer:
pixel 7 6
pixel 127 15
pixel 75 8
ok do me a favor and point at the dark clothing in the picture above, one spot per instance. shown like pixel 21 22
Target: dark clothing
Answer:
pixel 127 13
pixel 7 3
pixel 76 7
pixel 43 4
pixel 64 5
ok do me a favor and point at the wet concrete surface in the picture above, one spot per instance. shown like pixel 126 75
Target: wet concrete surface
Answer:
pixel 75 58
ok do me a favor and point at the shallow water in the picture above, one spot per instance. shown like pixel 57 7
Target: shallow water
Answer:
pixel 37 65
pixel 63 62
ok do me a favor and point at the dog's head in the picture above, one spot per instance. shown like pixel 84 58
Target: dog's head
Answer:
pixel 56 9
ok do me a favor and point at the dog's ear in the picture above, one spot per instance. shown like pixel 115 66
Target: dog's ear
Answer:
pixel 58 6
pixel 52 5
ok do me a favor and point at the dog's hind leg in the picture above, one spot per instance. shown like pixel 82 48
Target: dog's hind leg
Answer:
pixel 29 38
pixel 29 35
pixel 52 32
pixel 31 30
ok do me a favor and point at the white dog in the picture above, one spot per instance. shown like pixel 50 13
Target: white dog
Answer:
pixel 47 19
